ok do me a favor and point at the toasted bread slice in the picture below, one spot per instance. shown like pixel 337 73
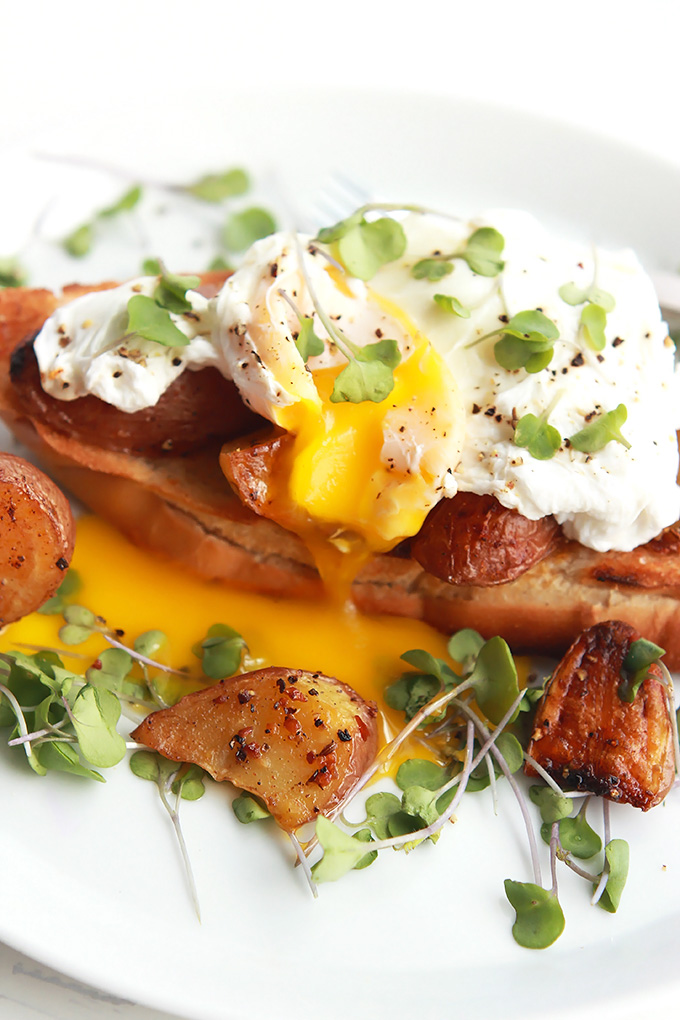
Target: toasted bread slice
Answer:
pixel 184 508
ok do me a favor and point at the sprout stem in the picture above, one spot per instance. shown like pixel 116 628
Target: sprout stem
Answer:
pixel 301 859
pixel 174 818
pixel 604 877
pixel 21 721
pixel 142 658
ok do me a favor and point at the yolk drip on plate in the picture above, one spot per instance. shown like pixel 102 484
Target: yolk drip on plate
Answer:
pixel 360 477
pixel 135 592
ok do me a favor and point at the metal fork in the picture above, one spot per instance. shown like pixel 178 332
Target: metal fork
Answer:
pixel 343 195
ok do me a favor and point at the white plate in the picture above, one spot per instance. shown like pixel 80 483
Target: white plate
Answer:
pixel 91 883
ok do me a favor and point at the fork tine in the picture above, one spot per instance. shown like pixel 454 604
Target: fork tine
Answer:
pixel 340 197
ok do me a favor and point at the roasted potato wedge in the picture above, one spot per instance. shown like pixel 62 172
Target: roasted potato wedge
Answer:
pixel 587 738
pixel 37 532
pixel 197 407
pixel 297 740
pixel 471 539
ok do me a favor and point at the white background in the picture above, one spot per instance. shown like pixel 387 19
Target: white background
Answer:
pixel 612 67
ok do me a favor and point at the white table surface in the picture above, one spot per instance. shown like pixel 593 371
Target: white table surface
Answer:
pixel 608 65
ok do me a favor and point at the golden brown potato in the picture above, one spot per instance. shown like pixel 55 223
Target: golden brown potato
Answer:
pixel 298 740
pixel 474 540
pixel 37 533
pixel 587 738
pixel 197 407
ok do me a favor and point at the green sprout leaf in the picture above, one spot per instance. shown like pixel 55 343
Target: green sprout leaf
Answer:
pixel 464 647
pixel 451 304
pixel 79 242
pixel 494 679
pixel 537 436
pixel 593 323
pixel 380 807
pixel 11 273
pixel 526 341
pixel 367 247
pixel 95 713
pixel 249 808
pixel 342 852
pixel 635 667
pixel 189 785
pixel 171 292
pixel 576 836
pixel 369 374
pixel 540 920
pixel 601 431
pixel 152 267
pixel 573 295
pixel 307 342
pixel 511 750
pixel 431 269
pixel 419 772
pixel 217 187
pixel 220 651
pixel 126 202
pixel 147 320
pixel 364 836
pixel 617 857
pixel 551 804
pixel 411 692
pixel 150 642
pixel 63 757
pixel 483 250
pixel 69 586
pixel 80 625
pixel 244 228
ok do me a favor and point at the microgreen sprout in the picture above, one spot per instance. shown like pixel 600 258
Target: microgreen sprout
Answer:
pixel 535 434
pixel 605 428
pixel 79 242
pixel 526 341
pixel 596 304
pixel 482 251
pixel 451 304
pixel 12 274
pixel 186 783
pixel 220 651
pixel 216 187
pixel 307 342
pixel 247 226
pixel 635 667
pixel 369 372
pixel 69 586
pixel 151 317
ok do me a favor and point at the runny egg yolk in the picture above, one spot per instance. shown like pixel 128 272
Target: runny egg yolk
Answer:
pixel 136 592
pixel 360 477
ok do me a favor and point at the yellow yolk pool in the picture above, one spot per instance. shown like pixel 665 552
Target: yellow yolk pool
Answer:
pixel 135 592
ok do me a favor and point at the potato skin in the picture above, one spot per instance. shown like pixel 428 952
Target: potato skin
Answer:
pixel 587 738
pixel 37 533
pixel 296 739
pixel 472 539
pixel 197 407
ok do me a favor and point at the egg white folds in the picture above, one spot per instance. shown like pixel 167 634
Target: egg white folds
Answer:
pixel 375 469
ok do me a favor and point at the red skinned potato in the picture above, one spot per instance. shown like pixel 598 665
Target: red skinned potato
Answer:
pixel 197 407
pixel 587 738
pixel 297 740
pixel 37 532
pixel 472 539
